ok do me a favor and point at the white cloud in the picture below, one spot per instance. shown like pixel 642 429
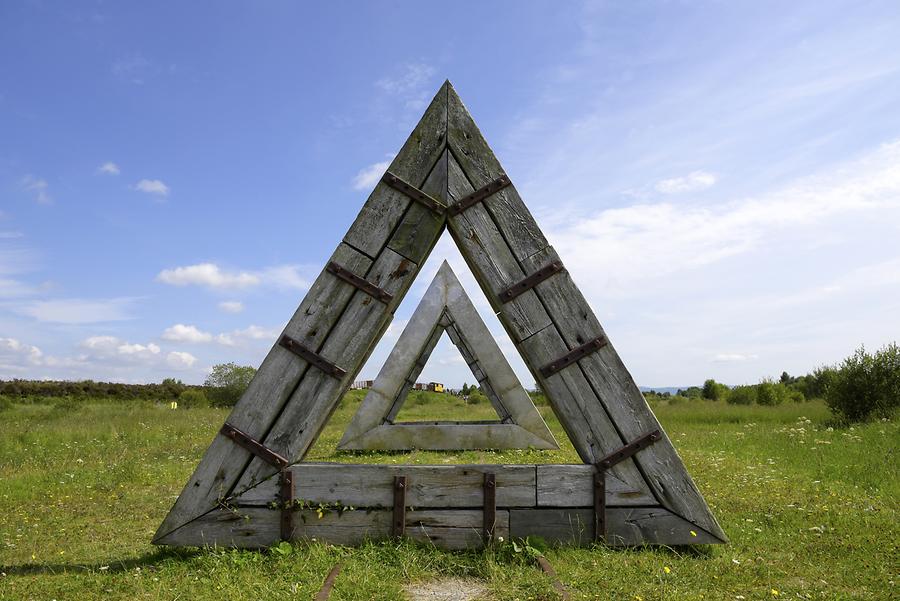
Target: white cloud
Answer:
pixel 692 182
pixel 213 276
pixel 369 176
pixel 111 347
pixel 180 360
pixel 152 186
pixel 108 168
pixel 207 274
pixel 185 333
pixel 75 310
pixel 257 333
pixel 732 358
pixel 231 306
pixel 632 245
pixel 16 349
pixel 39 187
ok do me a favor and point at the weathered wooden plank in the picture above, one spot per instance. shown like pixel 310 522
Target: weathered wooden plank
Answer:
pixel 491 261
pixel 619 396
pixel 317 395
pixel 385 208
pixel 589 428
pixel 440 436
pixel 258 527
pixel 421 227
pixel 428 486
pixel 481 167
pixel 268 391
pixel 624 526
pixel 573 486
pixel 413 376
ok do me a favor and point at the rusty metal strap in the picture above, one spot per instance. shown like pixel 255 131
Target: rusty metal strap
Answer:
pixel 361 283
pixel 414 193
pixel 287 504
pixel 398 526
pixel 630 449
pixel 490 506
pixel 478 195
pixel 312 358
pixel 574 355
pixel 531 281
pixel 254 446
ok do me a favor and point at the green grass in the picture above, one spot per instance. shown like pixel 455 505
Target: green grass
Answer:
pixel 812 513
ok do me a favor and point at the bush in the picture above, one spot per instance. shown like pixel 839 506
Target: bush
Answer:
pixel 817 383
pixel 742 395
pixel 866 385
pixel 796 396
pixel 714 391
pixel 770 393
pixel 476 397
pixel 227 382
pixel 193 398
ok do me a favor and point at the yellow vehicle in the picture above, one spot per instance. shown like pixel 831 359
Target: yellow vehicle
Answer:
pixel 435 387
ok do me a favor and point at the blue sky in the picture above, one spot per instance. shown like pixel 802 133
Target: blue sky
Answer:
pixel 721 178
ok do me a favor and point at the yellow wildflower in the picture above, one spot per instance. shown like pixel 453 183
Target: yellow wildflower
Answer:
pixel 666 569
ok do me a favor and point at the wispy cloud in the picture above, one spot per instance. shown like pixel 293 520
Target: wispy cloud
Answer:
pixel 193 335
pixel 231 306
pixel 692 182
pixel 39 188
pixel 634 244
pixel 108 168
pixel 411 84
pixel 78 310
pixel 133 68
pixel 367 177
pixel 111 350
pixel 154 187
pixel 212 276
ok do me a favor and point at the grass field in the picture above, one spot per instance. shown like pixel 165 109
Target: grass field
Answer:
pixel 812 513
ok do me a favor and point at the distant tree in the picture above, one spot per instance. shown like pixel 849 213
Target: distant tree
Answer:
pixel 476 397
pixel 714 391
pixel 465 389
pixel 692 392
pixel 227 382
pixel 818 382
pixel 785 378
pixel 769 392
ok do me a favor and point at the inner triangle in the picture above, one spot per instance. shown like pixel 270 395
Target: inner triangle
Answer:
pixel 446 307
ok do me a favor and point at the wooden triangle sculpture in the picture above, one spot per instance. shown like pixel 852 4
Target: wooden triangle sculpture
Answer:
pixel 446 307
pixel 251 488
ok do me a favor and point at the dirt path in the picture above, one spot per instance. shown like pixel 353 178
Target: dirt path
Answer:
pixel 447 589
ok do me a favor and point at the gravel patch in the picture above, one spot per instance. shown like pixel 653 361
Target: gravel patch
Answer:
pixel 446 589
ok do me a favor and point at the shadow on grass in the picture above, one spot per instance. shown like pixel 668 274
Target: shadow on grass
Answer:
pixel 113 566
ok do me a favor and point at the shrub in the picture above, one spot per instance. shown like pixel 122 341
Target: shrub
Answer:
pixel 818 382
pixel 227 382
pixel 742 395
pixel 866 385
pixel 770 393
pixel 476 397
pixel 796 396
pixel 192 398
pixel 714 391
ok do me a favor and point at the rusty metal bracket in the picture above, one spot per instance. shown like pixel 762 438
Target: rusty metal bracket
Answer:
pixel 361 283
pixel 254 446
pixel 490 506
pixel 642 442
pixel 531 281
pixel 630 449
pixel 312 358
pixel 287 504
pixel 414 193
pixel 574 355
pixel 478 195
pixel 398 527
pixel 328 585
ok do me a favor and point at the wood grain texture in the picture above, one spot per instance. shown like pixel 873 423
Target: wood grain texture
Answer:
pixel 428 485
pixel 258 527
pixel 268 392
pixel 617 395
pixel 626 526
pixel 573 486
pixel 440 436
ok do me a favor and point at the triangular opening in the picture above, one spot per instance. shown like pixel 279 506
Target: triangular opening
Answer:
pixel 446 308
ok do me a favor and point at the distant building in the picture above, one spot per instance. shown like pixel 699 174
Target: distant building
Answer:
pixel 362 384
